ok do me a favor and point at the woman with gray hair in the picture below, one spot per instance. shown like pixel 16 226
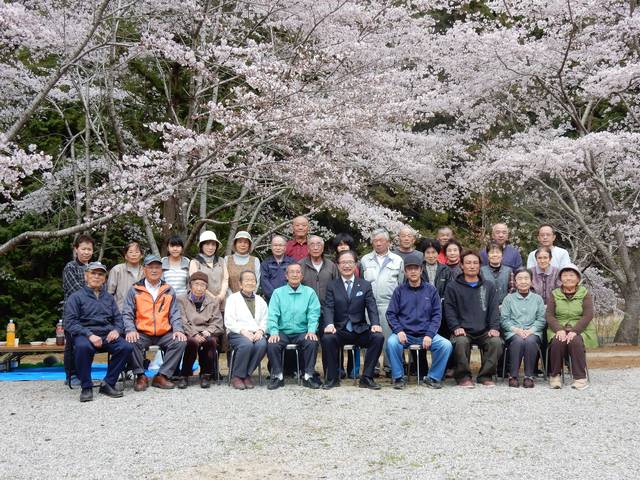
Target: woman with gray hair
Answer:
pixel 246 320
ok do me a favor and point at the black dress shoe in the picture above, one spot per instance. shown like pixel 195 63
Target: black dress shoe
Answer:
pixel 109 391
pixel 86 395
pixel 312 382
pixel 331 384
pixel 182 383
pixel 366 382
pixel 274 383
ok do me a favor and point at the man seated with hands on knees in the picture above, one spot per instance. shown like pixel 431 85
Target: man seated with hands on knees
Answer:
pixel 294 312
pixel 414 315
pixel 152 317
pixel 93 321
pixel 347 300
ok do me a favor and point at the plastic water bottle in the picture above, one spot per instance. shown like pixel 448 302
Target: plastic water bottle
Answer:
pixel 59 333
pixel 11 334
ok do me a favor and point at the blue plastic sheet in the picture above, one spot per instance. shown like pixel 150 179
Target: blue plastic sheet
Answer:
pixel 98 371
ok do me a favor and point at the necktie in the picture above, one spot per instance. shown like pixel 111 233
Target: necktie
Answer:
pixel 349 325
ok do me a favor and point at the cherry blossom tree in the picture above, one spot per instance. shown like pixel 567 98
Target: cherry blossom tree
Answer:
pixel 547 92
pixel 302 98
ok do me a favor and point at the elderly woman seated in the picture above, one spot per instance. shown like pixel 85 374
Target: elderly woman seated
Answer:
pixel 569 315
pixel 203 325
pixel 522 322
pixel 245 317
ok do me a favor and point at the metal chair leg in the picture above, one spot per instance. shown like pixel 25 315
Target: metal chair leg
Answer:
pixel 233 353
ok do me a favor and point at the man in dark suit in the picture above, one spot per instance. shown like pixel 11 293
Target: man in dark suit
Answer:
pixel 344 321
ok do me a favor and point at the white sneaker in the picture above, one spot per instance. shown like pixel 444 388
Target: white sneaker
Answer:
pixel 555 382
pixel 580 384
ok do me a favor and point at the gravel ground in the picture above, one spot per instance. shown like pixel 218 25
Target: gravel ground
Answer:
pixel 343 433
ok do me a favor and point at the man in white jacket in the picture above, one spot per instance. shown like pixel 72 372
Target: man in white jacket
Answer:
pixel 385 271
pixel 245 317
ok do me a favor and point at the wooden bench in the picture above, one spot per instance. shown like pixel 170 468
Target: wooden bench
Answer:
pixel 9 354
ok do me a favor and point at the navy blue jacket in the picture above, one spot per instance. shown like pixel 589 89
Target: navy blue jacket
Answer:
pixel 84 314
pixel 415 311
pixel 272 274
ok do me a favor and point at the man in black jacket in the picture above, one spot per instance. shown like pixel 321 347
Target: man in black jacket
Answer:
pixel 344 322
pixel 471 311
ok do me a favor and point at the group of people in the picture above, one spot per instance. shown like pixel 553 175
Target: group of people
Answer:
pixel 431 295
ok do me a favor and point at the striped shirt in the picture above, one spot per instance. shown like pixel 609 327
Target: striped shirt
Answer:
pixel 177 277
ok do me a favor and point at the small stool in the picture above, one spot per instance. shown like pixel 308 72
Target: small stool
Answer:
pixel 293 346
pixel 233 356
pixel 417 349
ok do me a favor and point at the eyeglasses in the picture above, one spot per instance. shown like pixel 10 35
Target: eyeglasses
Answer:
pixel 347 262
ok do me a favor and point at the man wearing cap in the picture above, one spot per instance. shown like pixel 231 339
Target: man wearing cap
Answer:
pixel 297 247
pixel 241 260
pixel 93 320
pixel 414 315
pixel 151 317
pixel 345 322
pixel 294 312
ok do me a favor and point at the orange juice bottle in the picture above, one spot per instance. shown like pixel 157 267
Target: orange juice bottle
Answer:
pixel 11 334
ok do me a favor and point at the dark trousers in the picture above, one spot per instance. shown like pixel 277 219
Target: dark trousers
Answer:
pixel 248 354
pixel 173 350
pixel 523 348
pixel 577 354
pixel 206 353
pixel 309 350
pixel 332 344
pixel 84 352
pixel 68 358
pixel 491 348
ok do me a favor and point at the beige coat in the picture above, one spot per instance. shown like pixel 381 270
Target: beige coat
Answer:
pixel 209 318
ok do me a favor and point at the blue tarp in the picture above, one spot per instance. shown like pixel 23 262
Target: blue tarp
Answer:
pixel 98 371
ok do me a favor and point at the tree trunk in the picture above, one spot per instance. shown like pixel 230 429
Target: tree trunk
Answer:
pixel 628 330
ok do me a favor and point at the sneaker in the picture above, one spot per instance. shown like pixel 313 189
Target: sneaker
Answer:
pixel 74 381
pixel 555 382
pixel 580 384
pixel 237 383
pixel 431 383
pixel 466 383
pixel 275 382
pixel 248 383
pixel 514 382
pixel 528 382
pixel 399 383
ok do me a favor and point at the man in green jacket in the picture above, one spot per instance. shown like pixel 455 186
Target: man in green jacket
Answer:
pixel 294 312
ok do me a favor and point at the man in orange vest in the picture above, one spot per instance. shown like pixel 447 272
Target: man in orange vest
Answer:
pixel 151 317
